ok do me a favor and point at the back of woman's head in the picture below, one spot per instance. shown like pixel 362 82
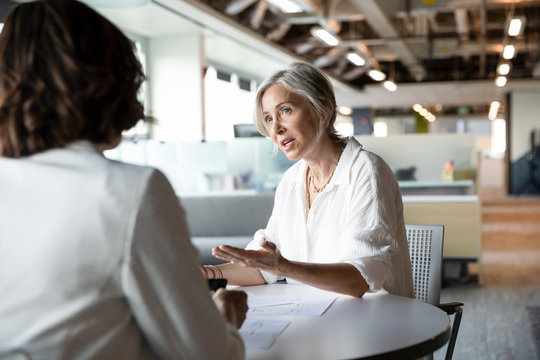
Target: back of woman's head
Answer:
pixel 66 74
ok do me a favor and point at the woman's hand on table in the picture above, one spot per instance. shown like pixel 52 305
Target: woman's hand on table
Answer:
pixel 268 258
pixel 232 304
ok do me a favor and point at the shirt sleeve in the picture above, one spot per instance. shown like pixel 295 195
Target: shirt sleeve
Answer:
pixel 163 284
pixel 372 223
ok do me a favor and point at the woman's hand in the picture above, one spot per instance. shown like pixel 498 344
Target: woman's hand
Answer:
pixel 232 305
pixel 268 258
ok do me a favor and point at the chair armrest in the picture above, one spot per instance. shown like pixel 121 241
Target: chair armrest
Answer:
pixel 451 307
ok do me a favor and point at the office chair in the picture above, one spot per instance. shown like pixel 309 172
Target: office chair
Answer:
pixel 425 249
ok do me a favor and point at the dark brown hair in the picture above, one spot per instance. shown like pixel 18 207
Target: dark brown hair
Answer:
pixel 66 74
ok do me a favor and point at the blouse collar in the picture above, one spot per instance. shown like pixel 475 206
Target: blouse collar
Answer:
pixel 342 174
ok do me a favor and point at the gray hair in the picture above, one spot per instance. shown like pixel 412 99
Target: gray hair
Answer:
pixel 310 83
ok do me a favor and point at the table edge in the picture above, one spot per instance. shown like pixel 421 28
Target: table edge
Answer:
pixel 415 351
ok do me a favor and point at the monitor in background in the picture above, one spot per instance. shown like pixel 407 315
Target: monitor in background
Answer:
pixel 246 130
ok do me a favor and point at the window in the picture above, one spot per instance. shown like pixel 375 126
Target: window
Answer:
pixel 140 131
pixel 229 100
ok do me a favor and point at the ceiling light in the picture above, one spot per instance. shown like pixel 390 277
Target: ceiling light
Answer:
pixel 116 3
pixel 324 36
pixel 500 81
pixel 376 75
pixel 345 110
pixel 417 107
pixel 494 110
pixel 356 59
pixel 504 69
pixel 286 6
pixel 390 85
pixel 509 52
pixel 516 27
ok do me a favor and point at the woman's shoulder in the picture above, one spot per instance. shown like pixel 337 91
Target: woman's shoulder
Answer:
pixel 365 162
pixel 115 174
pixel 363 157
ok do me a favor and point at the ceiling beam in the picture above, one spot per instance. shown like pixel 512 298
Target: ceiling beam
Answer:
pixel 381 24
pixel 310 19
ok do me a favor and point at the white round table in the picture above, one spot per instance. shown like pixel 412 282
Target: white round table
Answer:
pixel 377 326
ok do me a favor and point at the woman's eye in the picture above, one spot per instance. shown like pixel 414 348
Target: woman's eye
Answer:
pixel 268 119
pixel 286 110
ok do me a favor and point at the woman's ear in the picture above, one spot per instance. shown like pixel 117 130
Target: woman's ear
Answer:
pixel 324 120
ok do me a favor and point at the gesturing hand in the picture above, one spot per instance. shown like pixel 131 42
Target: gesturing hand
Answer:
pixel 268 258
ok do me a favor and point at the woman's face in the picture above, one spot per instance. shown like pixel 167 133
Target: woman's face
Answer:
pixel 291 122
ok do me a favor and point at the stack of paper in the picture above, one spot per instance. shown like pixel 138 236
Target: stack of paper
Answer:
pixel 261 333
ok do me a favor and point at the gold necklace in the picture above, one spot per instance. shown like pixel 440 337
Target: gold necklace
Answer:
pixel 312 182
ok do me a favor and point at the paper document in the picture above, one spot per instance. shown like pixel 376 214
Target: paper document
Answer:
pixel 288 305
pixel 261 334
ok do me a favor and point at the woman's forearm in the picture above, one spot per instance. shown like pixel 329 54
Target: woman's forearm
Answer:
pixel 342 278
pixel 241 275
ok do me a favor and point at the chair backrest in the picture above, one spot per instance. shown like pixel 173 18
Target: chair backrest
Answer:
pixel 425 249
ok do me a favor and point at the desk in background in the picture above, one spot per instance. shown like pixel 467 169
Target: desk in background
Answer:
pixel 457 187
pixel 377 326
pixel 461 217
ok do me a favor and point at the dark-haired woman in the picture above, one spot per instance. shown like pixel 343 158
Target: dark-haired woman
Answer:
pixel 95 255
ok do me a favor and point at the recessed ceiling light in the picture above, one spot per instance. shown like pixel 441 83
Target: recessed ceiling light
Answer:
pixel 390 85
pixel 286 6
pixel 493 110
pixel 504 69
pixel 325 36
pixel 345 110
pixel 500 81
pixel 417 107
pixel 509 52
pixel 356 59
pixel 116 3
pixel 515 27
pixel 376 75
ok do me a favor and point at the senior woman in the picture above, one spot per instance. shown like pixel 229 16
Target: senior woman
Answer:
pixel 337 222
pixel 95 255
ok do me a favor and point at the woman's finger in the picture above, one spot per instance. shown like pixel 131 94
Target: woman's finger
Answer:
pixel 218 252
pixel 268 245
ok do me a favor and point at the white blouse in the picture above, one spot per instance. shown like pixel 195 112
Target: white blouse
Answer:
pixel 96 263
pixel 357 219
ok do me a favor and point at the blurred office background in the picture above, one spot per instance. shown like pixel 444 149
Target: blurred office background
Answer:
pixel 447 91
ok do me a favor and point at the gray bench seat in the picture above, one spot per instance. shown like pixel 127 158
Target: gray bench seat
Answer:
pixel 225 219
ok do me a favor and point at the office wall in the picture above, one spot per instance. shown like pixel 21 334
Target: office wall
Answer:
pixel 524 117
pixel 176 86
pixel 427 152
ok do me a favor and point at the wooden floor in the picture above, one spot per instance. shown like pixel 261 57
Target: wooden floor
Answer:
pixel 501 316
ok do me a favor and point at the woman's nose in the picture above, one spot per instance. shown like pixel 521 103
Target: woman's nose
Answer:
pixel 278 127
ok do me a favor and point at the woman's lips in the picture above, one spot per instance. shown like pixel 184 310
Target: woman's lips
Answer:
pixel 286 143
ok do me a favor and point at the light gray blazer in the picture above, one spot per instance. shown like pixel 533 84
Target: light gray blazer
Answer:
pixel 96 262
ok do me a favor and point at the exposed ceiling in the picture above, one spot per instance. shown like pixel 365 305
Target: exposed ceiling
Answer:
pixel 437 51
pixel 411 41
